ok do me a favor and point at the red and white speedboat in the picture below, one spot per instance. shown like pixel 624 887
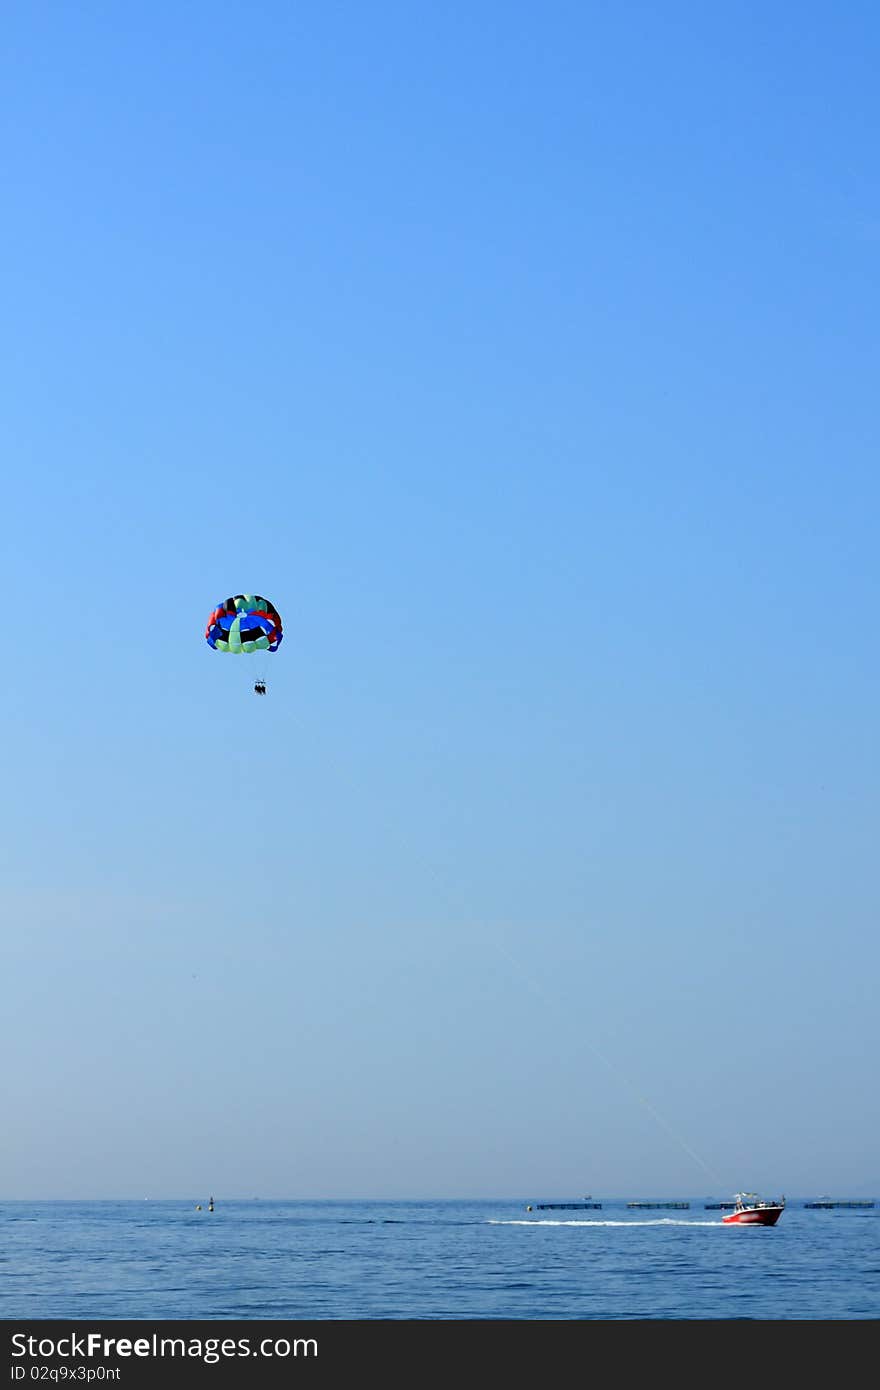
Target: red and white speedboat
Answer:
pixel 749 1210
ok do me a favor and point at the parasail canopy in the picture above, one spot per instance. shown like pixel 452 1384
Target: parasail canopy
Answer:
pixel 243 624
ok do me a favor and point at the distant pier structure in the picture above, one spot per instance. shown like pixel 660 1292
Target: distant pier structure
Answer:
pixel 565 1206
pixel 827 1206
pixel 666 1206
pixel 718 1206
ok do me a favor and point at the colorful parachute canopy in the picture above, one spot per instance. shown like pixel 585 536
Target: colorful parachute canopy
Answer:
pixel 245 623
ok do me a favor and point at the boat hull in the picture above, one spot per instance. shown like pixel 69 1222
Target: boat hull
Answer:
pixel 753 1216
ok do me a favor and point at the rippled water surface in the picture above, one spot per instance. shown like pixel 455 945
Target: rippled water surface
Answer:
pixel 469 1259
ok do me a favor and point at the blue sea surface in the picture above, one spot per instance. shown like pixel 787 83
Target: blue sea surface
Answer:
pixel 414 1260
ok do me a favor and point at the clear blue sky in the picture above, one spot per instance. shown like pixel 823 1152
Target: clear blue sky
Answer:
pixel 527 359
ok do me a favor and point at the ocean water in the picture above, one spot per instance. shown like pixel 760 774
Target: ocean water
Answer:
pixel 430 1260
